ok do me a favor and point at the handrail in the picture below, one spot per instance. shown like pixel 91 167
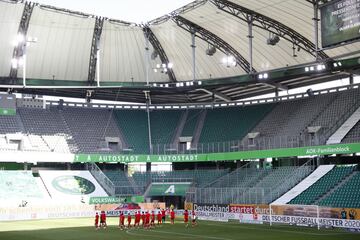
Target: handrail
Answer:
pixel 102 178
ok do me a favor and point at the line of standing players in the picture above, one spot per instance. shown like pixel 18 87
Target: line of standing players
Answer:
pixel 147 219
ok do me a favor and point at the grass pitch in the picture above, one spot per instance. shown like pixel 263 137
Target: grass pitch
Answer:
pixel 71 229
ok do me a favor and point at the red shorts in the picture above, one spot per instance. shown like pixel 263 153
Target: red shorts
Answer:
pixel 186 220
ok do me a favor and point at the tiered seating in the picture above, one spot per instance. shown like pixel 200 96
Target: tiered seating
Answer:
pixel 291 118
pixel 199 177
pixel 117 177
pixel 46 130
pixel 190 123
pixel 89 127
pixel 347 196
pixel 121 182
pixel 240 178
pixel 275 177
pixel 342 104
pixel 163 125
pixel 322 186
pixel 134 126
pixel 227 124
pixel 9 124
pixel 353 135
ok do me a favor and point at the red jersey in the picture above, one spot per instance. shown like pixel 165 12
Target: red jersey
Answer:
pixel 143 218
pixel 172 215
pixel 147 217
pixel 96 219
pixel 129 218
pixel 103 217
pixel 186 216
pixel 137 217
pixel 159 216
pixel 153 217
pixel 122 219
pixel 163 213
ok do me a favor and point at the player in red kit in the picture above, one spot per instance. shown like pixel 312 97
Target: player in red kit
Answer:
pixel 163 214
pixel 186 218
pixel 129 220
pixel 152 223
pixel 137 219
pixel 96 221
pixel 147 219
pixel 121 221
pixel 159 217
pixel 172 217
pixel 103 219
pixel 143 218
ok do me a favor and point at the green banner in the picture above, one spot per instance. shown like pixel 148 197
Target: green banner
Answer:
pixel 116 200
pixel 7 111
pixel 226 156
pixel 168 189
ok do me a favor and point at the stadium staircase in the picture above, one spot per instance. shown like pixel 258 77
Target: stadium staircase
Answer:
pixel 199 127
pixel 180 127
pixel 322 186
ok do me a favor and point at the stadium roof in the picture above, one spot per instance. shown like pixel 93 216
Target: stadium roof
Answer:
pixel 64 53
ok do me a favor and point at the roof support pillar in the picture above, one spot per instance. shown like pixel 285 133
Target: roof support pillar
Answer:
pixel 193 47
pixel 147 60
pixel 250 36
pixel 94 66
pixel 316 29
pixel 20 48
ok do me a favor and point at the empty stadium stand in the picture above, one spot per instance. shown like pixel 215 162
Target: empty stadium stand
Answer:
pixel 227 124
pixel 323 185
pixel 198 177
pixel 346 196
pixel 90 130
pixel 163 125
pixel 9 124
pixel 133 125
pixel 89 127
pixel 249 184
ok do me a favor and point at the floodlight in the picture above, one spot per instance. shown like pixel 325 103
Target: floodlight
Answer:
pixel 170 65
pixel 307 69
